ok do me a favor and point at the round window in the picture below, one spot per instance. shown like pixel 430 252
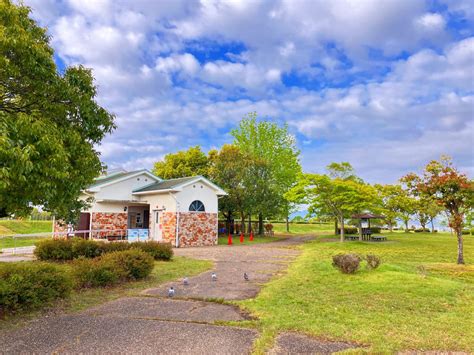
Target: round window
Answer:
pixel 197 206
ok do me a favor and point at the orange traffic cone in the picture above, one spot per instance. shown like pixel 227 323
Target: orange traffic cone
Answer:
pixel 229 240
pixel 251 236
pixel 241 237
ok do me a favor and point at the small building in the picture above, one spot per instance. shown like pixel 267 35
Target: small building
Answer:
pixel 140 205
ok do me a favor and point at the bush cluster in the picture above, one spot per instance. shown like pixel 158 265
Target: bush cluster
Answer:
pixel 159 251
pixel 348 230
pixel 350 263
pixel 25 286
pixel 346 263
pixel 111 268
pixel 69 249
pixel 421 230
pixel 373 261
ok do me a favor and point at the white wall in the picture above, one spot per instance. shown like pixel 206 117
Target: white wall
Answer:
pixel 198 191
pixel 123 190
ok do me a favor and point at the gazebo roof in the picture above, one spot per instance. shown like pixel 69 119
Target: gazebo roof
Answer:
pixel 367 216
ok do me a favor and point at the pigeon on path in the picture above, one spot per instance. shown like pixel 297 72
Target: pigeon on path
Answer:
pixel 213 276
pixel 185 281
pixel 171 292
pixel 246 277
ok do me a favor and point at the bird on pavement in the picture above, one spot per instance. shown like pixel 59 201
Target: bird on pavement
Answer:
pixel 246 277
pixel 185 281
pixel 171 292
pixel 213 276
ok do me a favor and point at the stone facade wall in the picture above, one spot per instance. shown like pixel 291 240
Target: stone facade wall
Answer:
pixel 168 225
pixel 110 222
pixel 197 229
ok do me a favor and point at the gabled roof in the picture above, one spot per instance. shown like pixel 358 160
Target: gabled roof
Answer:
pixel 177 184
pixel 119 176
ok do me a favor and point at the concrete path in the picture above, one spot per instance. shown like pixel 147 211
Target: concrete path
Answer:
pixel 153 323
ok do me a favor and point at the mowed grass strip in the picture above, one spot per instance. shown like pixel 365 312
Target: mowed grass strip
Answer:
pixel 303 229
pixel 10 227
pixel 418 299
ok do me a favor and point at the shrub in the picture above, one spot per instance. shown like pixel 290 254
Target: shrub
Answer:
pixel 373 261
pixel 346 263
pixel 26 286
pixel 375 230
pixel 466 232
pixel 348 230
pixel 130 264
pixel 85 248
pixel 421 230
pixel 54 249
pixel 94 273
pixel 114 246
pixel 159 251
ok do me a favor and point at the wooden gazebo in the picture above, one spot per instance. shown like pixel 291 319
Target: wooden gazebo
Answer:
pixel 364 224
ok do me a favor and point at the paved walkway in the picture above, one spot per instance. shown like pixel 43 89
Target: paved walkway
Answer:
pixel 153 323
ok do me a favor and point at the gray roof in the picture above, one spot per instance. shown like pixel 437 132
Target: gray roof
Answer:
pixel 166 184
pixel 108 178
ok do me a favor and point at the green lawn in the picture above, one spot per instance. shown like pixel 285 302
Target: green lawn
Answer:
pixel 223 240
pixel 9 227
pixel 417 299
pixel 297 228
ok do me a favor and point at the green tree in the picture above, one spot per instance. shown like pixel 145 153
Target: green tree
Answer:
pixel 451 189
pixel 388 203
pixel 49 123
pixel 228 170
pixel 404 204
pixel 184 163
pixel 336 197
pixel 275 151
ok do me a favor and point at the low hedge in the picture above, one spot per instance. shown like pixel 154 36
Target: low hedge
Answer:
pixel 70 249
pixel 130 264
pixel 159 251
pixel 93 273
pixel 28 286
pixel 348 230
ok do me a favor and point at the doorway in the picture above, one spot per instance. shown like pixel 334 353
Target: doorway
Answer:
pixel 84 225
pixel 157 226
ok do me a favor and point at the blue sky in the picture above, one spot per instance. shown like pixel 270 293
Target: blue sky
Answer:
pixel 386 85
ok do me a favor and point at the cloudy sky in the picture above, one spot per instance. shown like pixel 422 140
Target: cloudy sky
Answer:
pixel 384 84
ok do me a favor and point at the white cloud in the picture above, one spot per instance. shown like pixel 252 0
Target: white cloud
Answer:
pixel 309 63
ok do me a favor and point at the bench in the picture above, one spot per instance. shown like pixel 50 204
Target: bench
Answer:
pixel 352 237
pixel 378 238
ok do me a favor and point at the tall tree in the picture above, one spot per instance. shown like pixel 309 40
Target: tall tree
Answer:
pixel 276 147
pixel 228 169
pixel 451 189
pixel 337 197
pixel 183 163
pixel 388 203
pixel 49 123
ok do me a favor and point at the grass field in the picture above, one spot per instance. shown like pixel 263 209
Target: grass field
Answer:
pixel 417 299
pixel 256 240
pixel 300 228
pixel 9 227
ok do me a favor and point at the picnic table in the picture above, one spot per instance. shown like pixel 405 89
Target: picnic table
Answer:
pixel 378 238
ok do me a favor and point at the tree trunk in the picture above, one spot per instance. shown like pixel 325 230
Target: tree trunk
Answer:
pixel 250 223
pixel 336 227
pixel 228 222
pixel 342 229
pixel 360 229
pixel 288 224
pixel 406 225
pixel 432 225
pixel 242 222
pixel 390 227
pixel 460 246
pixel 260 223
